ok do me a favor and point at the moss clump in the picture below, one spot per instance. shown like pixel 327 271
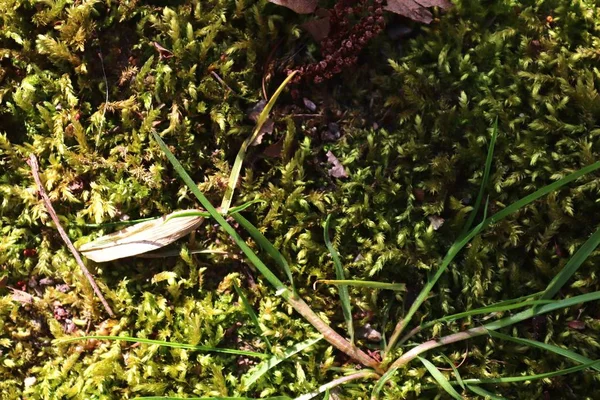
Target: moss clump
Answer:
pixel 433 102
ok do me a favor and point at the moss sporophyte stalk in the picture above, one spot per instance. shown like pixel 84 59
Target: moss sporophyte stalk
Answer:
pixel 422 223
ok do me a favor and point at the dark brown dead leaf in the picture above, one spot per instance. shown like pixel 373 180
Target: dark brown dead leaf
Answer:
pixel 21 296
pixel 417 10
pixel 266 129
pixel 254 112
pixel 337 170
pixel 274 150
pixel 318 28
pixel 163 53
pixel 299 6
pixel 576 324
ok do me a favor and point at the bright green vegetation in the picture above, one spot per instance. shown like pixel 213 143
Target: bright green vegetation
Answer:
pixel 436 99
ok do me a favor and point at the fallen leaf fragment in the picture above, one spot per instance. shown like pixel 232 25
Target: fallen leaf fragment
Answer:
pixel 337 170
pixel 576 324
pixel 318 28
pixel 417 10
pixel 21 296
pixel 163 53
pixel 266 129
pixel 436 221
pixel 299 6
pixel 141 238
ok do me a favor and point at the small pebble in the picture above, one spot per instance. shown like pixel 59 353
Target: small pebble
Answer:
pixel 312 107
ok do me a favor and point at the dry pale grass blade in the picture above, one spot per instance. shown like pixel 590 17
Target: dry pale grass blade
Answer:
pixel 141 238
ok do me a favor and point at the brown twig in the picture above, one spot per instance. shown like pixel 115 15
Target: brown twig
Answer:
pixel 35 170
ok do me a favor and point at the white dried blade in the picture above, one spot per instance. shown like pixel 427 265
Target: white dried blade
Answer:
pixel 141 238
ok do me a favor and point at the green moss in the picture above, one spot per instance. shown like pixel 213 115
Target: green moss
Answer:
pixel 434 102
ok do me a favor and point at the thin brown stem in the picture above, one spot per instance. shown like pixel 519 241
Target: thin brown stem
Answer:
pixel 332 336
pixel 395 336
pixel 434 343
pixel 410 334
pixel 35 170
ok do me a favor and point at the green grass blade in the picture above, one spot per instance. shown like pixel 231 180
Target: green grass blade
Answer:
pixel 441 379
pixel 543 309
pixel 273 280
pixel 462 241
pixel 339 273
pixel 298 304
pixel 177 253
pixel 572 265
pixel 327 395
pixel 455 370
pixel 266 245
pixel 249 379
pixel 381 383
pixel 500 215
pixel 252 315
pixel 484 181
pixel 545 346
pixel 539 310
pixel 452 252
pixel 524 378
pixel 161 343
pixel 369 284
pixel 484 393
pixel 494 309
pixel 232 210
pixel 239 159
pixel 479 311
pixel 481 330
pixel 502 306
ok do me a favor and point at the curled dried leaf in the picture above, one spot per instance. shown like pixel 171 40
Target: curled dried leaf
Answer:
pixel 299 6
pixel 141 238
pixel 417 10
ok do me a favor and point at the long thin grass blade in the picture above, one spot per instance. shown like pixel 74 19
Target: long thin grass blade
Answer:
pixel 455 370
pixel 441 379
pixel 252 314
pixel 572 265
pixel 369 284
pixel 239 159
pixel 177 253
pixel 484 393
pixel 189 213
pixel 542 309
pixel 249 379
pixel 473 332
pixel 545 346
pixel 161 343
pixel 343 289
pixel 491 309
pixel 517 205
pixel 484 181
pixel 298 304
pixel 523 378
pixel 452 252
pixel 266 245
pixel 462 241
pixel 141 238
pixel 218 217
